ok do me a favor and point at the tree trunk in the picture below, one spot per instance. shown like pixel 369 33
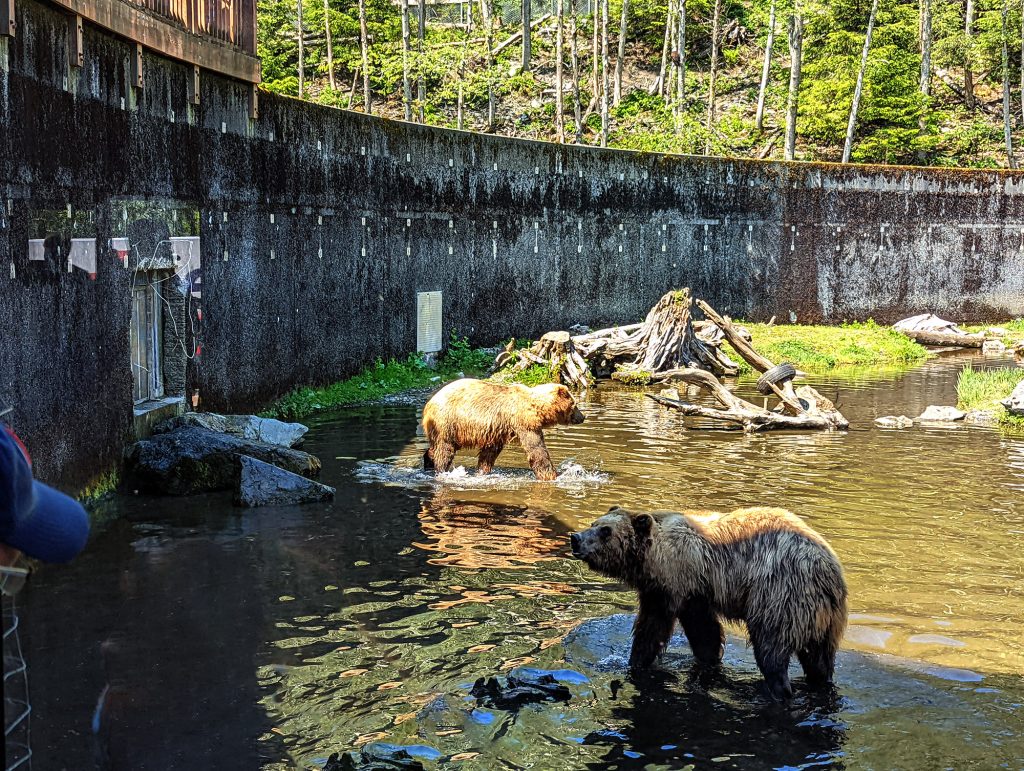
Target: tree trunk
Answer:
pixel 559 102
pixel 796 43
pixel 622 52
pixel 486 19
pixel 364 52
pixel 421 83
pixel 330 48
pixel 577 108
pixel 859 88
pixel 925 83
pixel 302 51
pixel 527 18
pixel 659 84
pixel 681 75
pixel 595 54
pixel 968 62
pixel 406 83
pixel 709 124
pixel 1010 160
pixel 604 73
pixel 462 80
pixel 759 117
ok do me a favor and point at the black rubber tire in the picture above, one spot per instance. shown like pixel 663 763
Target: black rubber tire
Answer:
pixel 775 376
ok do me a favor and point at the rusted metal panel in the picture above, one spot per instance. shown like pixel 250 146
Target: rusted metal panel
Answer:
pixel 193 85
pixel 7 28
pixel 141 25
pixel 136 67
pixel 76 55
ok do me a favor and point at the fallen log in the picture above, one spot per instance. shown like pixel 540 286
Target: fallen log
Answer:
pixel 820 414
pixel 928 337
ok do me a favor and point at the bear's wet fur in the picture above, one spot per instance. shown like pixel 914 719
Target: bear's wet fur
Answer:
pixel 763 566
pixel 485 416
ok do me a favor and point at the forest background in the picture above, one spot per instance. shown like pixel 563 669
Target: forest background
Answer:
pixel 925 82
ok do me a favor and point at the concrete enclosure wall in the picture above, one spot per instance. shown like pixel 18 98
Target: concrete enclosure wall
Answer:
pixel 318 227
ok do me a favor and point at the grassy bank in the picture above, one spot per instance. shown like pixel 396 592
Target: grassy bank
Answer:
pixel 383 378
pixel 820 349
pixel 984 389
pixel 1014 330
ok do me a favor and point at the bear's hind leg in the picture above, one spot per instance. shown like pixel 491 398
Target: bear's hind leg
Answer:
pixel 818 661
pixel 703 631
pixel 488 455
pixel 440 456
pixel 773 661
pixel 537 454
pixel 652 629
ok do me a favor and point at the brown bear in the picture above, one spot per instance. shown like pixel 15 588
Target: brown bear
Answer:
pixel 763 566
pixel 485 416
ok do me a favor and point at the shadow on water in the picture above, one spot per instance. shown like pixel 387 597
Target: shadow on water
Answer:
pixel 215 638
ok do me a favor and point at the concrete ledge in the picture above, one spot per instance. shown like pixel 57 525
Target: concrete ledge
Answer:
pixel 148 414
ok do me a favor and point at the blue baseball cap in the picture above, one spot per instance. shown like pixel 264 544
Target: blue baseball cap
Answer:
pixel 34 518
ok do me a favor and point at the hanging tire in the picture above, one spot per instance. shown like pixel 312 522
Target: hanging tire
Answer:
pixel 775 376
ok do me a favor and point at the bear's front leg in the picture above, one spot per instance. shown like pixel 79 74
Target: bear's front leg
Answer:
pixel 703 631
pixel 486 458
pixel 537 454
pixel 439 456
pixel 652 629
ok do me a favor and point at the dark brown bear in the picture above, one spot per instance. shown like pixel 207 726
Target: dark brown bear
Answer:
pixel 763 566
pixel 485 416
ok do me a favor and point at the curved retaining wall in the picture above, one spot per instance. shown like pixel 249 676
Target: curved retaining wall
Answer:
pixel 318 227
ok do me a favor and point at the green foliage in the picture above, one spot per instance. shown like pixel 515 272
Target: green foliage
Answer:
pixel 383 378
pixel 896 123
pixel 538 374
pixel 819 349
pixel 984 389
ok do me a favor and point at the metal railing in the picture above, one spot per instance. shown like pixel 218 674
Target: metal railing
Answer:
pixel 230 21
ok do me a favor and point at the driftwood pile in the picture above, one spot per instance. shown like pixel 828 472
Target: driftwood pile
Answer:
pixel 799 408
pixel 670 346
pixel 666 340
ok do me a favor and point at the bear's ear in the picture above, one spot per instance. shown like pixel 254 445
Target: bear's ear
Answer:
pixel 643 524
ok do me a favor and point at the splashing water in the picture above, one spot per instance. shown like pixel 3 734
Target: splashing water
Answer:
pixel 396 472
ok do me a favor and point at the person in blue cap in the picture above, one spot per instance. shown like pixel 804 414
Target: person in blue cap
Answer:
pixel 35 519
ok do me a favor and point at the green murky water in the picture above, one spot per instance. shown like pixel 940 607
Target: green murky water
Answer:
pixel 191 635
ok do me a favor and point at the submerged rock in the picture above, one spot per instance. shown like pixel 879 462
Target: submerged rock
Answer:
pixel 993 346
pixel 894 421
pixel 1014 403
pixel 193 460
pixel 263 484
pixel 522 686
pixel 381 756
pixel 251 427
pixel 935 414
pixel 981 418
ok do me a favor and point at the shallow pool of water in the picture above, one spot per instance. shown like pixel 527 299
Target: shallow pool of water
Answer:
pixel 194 635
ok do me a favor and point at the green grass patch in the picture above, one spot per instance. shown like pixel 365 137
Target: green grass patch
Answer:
pixel 984 389
pixel 535 375
pixel 383 378
pixel 1014 329
pixel 820 348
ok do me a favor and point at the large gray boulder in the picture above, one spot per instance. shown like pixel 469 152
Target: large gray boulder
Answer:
pixel 194 460
pixel 1014 403
pixel 251 427
pixel 937 414
pixel 261 484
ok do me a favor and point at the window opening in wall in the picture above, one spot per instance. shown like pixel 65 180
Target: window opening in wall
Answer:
pixel 146 343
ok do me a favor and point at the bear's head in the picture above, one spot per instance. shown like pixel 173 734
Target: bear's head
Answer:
pixel 616 544
pixel 556 405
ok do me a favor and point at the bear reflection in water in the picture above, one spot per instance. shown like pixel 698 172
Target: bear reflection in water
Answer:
pixel 478 535
pixel 762 566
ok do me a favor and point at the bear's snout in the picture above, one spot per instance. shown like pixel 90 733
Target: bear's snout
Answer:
pixel 576 540
pixel 577 416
